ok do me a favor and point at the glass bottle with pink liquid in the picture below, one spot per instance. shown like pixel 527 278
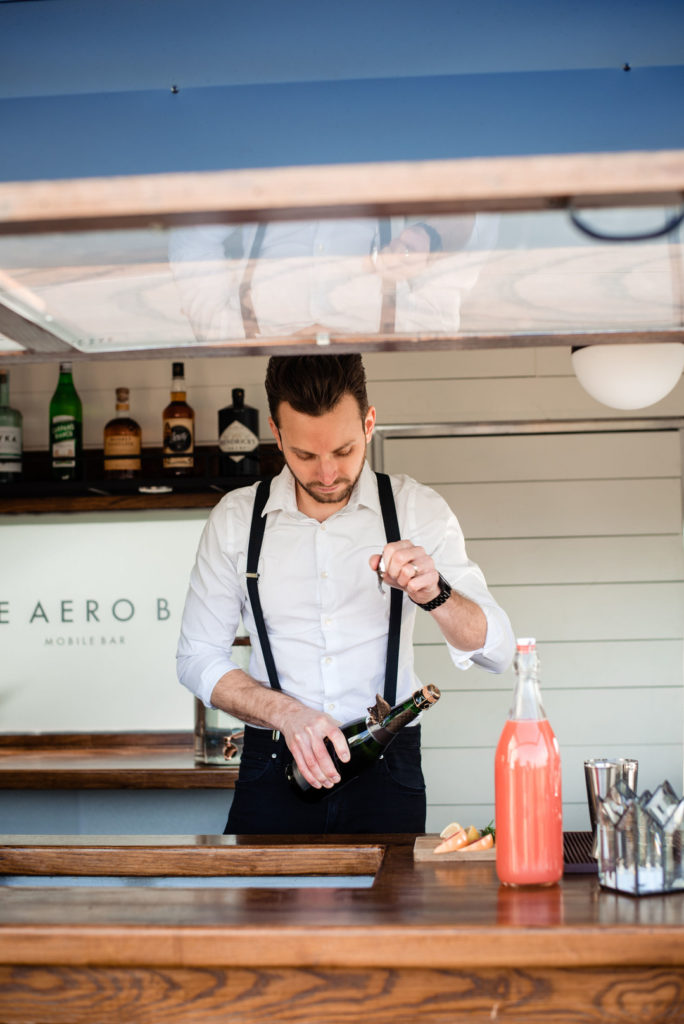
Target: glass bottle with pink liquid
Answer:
pixel 527 780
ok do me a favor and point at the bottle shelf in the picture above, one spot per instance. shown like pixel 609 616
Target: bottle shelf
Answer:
pixel 151 489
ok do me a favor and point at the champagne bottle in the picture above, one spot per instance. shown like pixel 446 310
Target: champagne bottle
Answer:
pixel 178 422
pixel 66 428
pixel 368 738
pixel 122 441
pixel 239 437
pixel 10 435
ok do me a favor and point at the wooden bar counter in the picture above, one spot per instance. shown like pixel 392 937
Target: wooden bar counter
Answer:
pixel 424 942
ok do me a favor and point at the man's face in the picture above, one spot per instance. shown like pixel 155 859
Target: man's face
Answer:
pixel 324 453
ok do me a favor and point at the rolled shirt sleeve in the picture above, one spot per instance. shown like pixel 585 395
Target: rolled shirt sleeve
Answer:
pixel 213 604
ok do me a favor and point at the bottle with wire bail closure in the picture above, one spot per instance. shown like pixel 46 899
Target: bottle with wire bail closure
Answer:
pixel 527 784
pixel 368 738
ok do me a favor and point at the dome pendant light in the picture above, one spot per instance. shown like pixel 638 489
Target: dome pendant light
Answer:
pixel 629 376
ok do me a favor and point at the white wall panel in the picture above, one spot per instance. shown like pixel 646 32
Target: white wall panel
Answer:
pixel 536 457
pixel 607 664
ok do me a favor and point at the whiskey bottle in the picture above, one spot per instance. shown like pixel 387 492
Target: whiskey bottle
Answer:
pixel 10 435
pixel 178 420
pixel 238 426
pixel 66 428
pixel 368 738
pixel 122 441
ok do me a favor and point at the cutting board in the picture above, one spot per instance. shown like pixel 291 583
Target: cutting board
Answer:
pixel 423 850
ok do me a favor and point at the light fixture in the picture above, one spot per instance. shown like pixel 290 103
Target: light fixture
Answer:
pixel 629 376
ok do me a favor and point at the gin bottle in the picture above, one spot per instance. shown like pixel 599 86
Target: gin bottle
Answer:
pixel 238 426
pixel 66 428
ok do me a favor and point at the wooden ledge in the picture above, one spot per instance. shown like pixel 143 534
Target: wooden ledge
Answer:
pixel 107 761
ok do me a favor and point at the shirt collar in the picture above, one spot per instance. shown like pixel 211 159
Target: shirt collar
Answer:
pixel 282 496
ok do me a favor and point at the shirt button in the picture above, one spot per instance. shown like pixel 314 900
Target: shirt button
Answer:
pixel 324 575
pixel 330 707
pixel 327 661
pixel 323 526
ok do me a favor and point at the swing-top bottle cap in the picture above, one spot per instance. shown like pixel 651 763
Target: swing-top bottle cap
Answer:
pixel 526 644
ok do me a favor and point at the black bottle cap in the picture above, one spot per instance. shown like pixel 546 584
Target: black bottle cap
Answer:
pixel 178 370
pixel 238 397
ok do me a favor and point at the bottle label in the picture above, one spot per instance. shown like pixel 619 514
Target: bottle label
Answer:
pixel 63 439
pixel 178 437
pixel 122 445
pixel 117 463
pixel 10 442
pixel 237 440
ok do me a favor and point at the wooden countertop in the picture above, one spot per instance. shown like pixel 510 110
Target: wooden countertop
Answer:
pixel 449 938
pixel 459 911
pixel 107 761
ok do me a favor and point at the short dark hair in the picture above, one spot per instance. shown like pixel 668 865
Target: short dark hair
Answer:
pixel 315 384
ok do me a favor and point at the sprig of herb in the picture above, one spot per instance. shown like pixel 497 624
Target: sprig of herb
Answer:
pixel 489 829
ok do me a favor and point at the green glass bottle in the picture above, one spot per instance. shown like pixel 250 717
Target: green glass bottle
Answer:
pixel 10 435
pixel 368 738
pixel 66 428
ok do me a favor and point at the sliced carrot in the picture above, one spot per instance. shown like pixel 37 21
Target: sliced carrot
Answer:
pixel 454 842
pixel 485 843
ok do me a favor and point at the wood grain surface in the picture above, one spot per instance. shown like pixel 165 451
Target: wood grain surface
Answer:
pixel 426 942
pixel 302 996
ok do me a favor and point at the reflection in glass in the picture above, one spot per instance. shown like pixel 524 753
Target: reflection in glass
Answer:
pixel 405 278
pixel 304 278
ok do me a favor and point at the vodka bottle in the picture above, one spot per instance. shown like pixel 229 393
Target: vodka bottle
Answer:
pixel 10 434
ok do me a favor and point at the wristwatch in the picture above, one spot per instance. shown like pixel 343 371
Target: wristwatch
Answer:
pixel 444 594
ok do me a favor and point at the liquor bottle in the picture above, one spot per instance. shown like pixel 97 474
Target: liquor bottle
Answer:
pixel 10 435
pixel 122 441
pixel 178 422
pixel 368 738
pixel 66 428
pixel 238 426
pixel 527 782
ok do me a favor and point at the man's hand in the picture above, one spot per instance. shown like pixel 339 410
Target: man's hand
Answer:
pixel 409 568
pixel 405 256
pixel 305 731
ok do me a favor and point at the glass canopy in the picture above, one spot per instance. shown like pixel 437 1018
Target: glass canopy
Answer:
pixel 468 278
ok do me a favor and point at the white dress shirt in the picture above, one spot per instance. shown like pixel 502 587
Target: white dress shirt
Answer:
pixel 326 618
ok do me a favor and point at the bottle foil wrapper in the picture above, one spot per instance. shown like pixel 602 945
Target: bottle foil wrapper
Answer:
pixel 641 840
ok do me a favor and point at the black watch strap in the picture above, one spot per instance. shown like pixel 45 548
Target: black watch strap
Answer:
pixel 444 595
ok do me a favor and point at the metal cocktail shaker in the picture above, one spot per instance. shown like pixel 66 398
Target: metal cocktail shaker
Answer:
pixel 600 773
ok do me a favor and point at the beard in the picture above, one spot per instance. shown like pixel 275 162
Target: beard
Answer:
pixel 343 487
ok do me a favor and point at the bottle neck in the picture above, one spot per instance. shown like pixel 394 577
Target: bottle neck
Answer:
pixel 4 389
pixel 527 702
pixel 122 407
pixel 178 389
pixel 409 709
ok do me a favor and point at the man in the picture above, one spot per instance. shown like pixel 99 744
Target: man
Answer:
pixel 325 617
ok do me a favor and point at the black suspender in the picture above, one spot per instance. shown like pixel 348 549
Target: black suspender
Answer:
pixel 389 516
pixel 256 536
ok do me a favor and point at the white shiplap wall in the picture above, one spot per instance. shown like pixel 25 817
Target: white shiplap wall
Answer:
pixel 580 539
